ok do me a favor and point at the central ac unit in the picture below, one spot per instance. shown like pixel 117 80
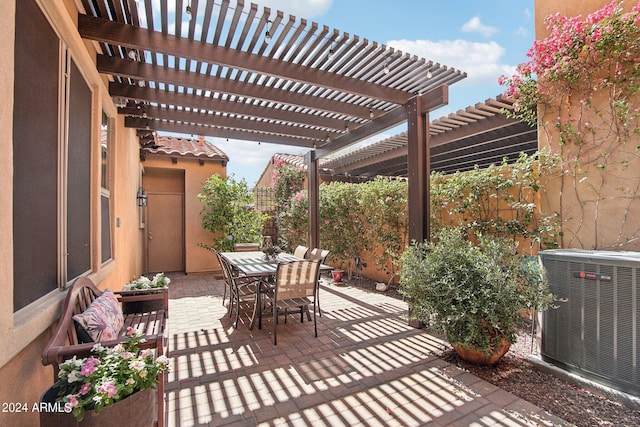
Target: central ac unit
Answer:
pixel 594 332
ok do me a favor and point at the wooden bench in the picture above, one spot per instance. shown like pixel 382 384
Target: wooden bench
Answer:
pixel 64 343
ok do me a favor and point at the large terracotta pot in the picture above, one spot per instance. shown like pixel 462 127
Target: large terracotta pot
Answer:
pixel 139 409
pixel 481 358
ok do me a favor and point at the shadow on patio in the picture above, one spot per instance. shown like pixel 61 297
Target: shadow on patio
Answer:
pixel 367 367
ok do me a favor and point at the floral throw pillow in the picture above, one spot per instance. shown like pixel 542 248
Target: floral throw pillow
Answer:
pixel 103 319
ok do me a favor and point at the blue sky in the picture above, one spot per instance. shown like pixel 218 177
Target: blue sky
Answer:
pixel 484 39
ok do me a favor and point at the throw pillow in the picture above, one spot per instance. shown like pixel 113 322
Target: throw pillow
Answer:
pixel 103 318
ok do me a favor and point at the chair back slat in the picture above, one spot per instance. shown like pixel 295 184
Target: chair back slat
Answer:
pixel 296 279
pixel 318 254
pixel 301 251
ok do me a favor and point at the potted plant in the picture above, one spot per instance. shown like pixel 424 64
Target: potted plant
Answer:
pixel 474 292
pixel 122 376
pixel 337 275
pixel 145 286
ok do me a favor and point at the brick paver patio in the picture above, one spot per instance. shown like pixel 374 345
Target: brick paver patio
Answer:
pixel 366 368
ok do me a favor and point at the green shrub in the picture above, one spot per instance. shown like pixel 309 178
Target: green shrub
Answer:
pixel 228 213
pixel 472 292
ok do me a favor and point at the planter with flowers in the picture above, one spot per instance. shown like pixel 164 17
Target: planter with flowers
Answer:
pixel 113 386
pixel 153 294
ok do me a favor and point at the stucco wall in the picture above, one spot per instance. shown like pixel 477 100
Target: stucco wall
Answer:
pixel 598 204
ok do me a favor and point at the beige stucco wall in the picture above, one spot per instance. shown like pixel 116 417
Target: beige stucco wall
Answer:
pixel 197 259
pixel 599 207
pixel 25 333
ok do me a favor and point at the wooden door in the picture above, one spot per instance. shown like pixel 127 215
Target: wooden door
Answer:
pixel 165 232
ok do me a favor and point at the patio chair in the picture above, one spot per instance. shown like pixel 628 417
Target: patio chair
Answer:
pixel 296 281
pixel 241 288
pixel 301 251
pixel 246 247
pixel 321 255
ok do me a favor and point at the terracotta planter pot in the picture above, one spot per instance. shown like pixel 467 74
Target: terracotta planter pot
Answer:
pixel 481 358
pixel 337 275
pixel 139 409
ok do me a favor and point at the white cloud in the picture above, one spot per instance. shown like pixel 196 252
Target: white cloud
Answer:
pixel 248 159
pixel 522 32
pixel 307 9
pixel 481 61
pixel 474 25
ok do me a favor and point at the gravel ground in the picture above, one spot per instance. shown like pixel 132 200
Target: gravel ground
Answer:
pixel 518 376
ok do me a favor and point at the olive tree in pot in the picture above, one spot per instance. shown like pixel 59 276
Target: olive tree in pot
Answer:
pixel 474 292
pixel 228 213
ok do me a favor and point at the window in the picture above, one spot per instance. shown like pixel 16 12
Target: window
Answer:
pixel 52 125
pixel 35 156
pixel 78 227
pixel 105 186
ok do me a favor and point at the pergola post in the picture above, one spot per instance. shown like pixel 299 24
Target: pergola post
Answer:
pixel 418 169
pixel 313 192
pixel 418 159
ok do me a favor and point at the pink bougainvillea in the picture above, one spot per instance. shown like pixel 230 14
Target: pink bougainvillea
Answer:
pixel 580 56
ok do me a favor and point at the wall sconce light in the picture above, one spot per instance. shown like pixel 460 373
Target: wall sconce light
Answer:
pixel 141 197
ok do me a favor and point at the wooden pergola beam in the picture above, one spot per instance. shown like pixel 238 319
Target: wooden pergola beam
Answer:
pixel 431 100
pixel 105 31
pixel 198 129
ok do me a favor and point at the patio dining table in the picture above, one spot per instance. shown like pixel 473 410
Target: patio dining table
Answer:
pixel 254 264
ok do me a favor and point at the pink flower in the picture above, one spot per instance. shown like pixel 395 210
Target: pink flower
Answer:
pixel 126 355
pixel 146 352
pixel 89 367
pixel 326 221
pixel 72 400
pixel 130 331
pixel 137 365
pixel 84 389
pixel 109 388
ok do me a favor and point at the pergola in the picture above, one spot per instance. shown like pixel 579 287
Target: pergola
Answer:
pixel 480 135
pixel 230 70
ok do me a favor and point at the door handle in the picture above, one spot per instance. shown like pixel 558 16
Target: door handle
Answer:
pixel 150 236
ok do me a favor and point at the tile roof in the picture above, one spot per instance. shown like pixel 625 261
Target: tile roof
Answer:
pixel 185 147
